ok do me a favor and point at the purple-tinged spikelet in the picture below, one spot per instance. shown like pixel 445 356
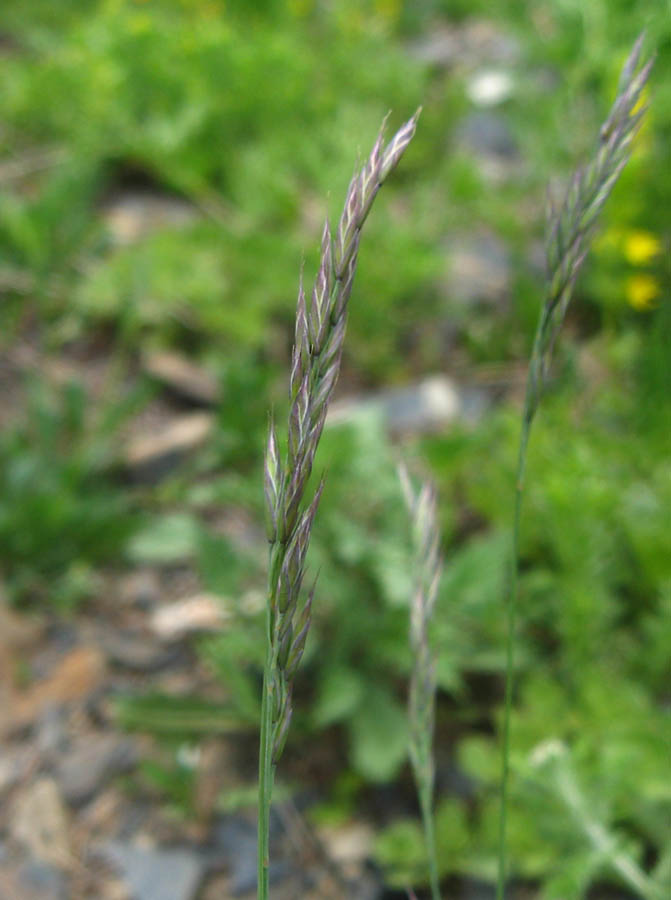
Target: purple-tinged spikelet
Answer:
pixel 315 365
pixel 571 225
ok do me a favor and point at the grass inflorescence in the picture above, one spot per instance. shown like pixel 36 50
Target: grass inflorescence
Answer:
pixel 423 508
pixel 316 357
pixel 571 227
pixel 290 509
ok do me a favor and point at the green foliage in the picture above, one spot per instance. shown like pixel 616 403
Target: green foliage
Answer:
pixel 238 110
pixel 400 849
pixel 169 538
pixel 59 512
pixel 590 748
pixel 176 716
pixel 579 812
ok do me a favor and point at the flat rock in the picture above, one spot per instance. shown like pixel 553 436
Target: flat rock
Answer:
pixel 200 613
pixel 91 762
pixel 136 651
pixel 428 406
pixel 470 43
pixel 153 455
pixel 141 588
pixel 479 270
pixel 39 880
pixel 183 377
pixel 76 676
pixel 131 215
pixel 50 732
pixel 485 136
pixel 32 881
pixel 350 843
pixel 236 841
pixel 39 822
pixel 148 874
pixel 16 763
pixel 234 838
pixel 349 846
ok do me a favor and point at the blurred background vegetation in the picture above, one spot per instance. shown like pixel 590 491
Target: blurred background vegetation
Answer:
pixel 164 170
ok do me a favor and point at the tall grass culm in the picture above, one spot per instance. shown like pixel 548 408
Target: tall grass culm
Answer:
pixel 319 335
pixel 423 510
pixel 571 226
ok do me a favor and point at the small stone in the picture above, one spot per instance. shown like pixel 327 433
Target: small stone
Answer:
pixel 479 270
pixel 349 845
pixel 489 87
pixel 236 841
pixel 484 41
pixel 133 214
pixel 428 406
pixel 40 823
pixel 488 133
pixel 425 407
pixel 39 880
pixel 440 48
pixel 51 731
pixel 15 764
pixel 183 377
pixel 75 678
pixel 170 874
pixel 32 880
pixel 153 455
pixel 91 762
pixel 136 652
pixel 474 42
pixel 141 588
pixel 203 612
pixel 235 847
pixel 486 137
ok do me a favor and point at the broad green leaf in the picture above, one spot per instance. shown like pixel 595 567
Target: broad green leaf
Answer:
pixel 378 733
pixel 340 693
pixel 167 539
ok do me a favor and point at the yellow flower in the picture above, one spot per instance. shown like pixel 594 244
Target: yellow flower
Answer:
pixel 642 291
pixel 640 247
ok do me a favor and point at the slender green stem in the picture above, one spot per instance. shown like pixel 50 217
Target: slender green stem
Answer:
pixel 571 230
pixel 265 780
pixel 530 403
pixel 426 805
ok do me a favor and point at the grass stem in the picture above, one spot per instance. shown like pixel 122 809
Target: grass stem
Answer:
pixel 426 806
pixel 321 321
pixel 571 229
pixel 266 777
pixel 511 623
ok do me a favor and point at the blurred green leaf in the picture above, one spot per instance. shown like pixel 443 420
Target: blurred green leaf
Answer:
pixel 378 732
pixel 167 539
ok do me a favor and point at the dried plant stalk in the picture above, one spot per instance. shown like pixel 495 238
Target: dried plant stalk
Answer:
pixel 571 227
pixel 423 511
pixel 320 331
